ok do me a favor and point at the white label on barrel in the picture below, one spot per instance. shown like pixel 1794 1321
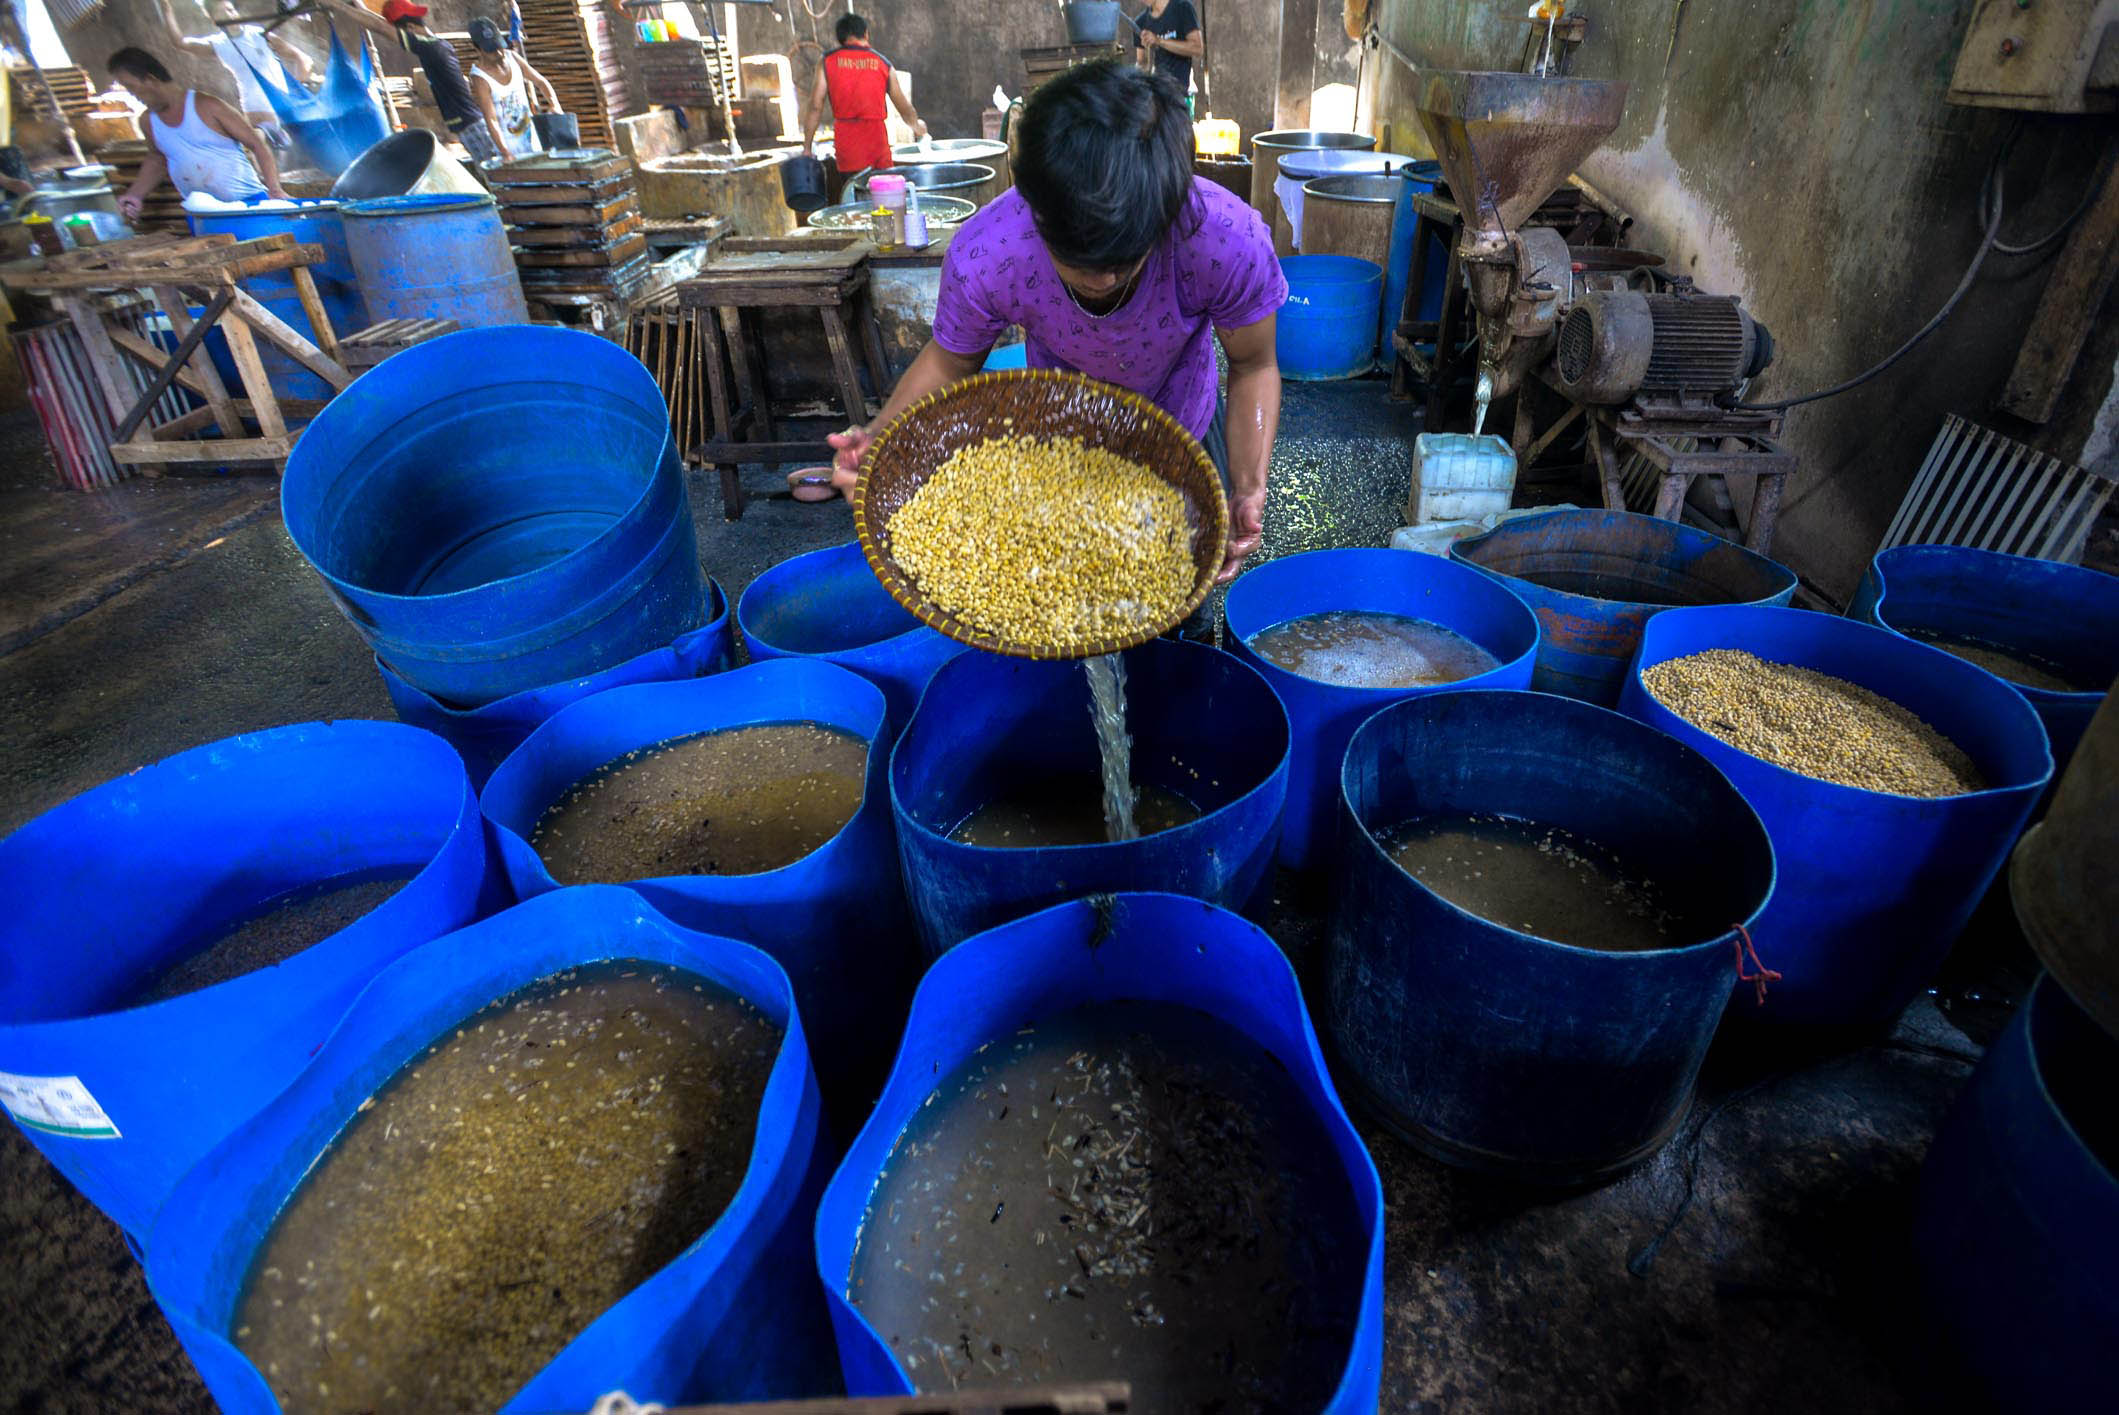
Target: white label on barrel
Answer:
pixel 57 1105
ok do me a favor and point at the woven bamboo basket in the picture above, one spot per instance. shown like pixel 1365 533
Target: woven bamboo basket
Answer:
pixel 1042 403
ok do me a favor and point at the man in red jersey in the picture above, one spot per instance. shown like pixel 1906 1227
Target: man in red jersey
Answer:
pixel 856 81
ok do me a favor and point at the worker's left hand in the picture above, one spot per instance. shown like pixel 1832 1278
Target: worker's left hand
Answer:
pixel 1149 39
pixel 1247 515
pixel 848 448
pixel 129 207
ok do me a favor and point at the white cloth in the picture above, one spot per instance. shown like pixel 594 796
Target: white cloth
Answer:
pixel 511 103
pixel 203 160
pixel 238 51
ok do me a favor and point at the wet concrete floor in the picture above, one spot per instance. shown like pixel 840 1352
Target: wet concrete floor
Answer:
pixel 169 614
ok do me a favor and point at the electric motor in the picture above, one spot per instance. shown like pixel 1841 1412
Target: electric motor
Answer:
pixel 1676 347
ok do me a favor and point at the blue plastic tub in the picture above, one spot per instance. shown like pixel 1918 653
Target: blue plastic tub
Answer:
pixel 737 1316
pixel 1416 178
pixel 1328 326
pixel 1496 1049
pixel 835 919
pixel 125 1099
pixel 498 510
pixel 1595 577
pixel 2016 1227
pixel 1322 716
pixel 2063 614
pixel 829 605
pixel 1134 947
pixel 1874 887
pixel 337 287
pixel 1203 725
pixel 435 255
pixel 484 736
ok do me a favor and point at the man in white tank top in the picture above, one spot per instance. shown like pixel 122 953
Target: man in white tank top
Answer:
pixel 201 143
pixel 252 58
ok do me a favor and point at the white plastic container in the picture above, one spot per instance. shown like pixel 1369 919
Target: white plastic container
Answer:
pixel 1460 477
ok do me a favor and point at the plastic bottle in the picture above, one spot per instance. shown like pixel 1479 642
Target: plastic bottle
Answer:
pixel 916 237
pixel 890 194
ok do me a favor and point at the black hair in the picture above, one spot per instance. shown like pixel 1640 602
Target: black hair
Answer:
pixel 1105 163
pixel 850 27
pixel 137 62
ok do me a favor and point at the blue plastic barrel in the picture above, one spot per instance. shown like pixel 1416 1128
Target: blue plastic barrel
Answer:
pixel 1415 178
pixel 2016 1226
pixel 498 510
pixel 484 736
pixel 1500 1050
pixel 108 891
pixel 835 919
pixel 1204 726
pixel 1595 577
pixel 337 287
pixel 2063 614
pixel 736 1317
pixel 435 255
pixel 1132 947
pixel 1328 326
pixel 1008 356
pixel 1874 887
pixel 829 605
pixel 1322 716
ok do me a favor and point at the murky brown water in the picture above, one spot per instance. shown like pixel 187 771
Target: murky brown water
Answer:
pixel 1065 810
pixel 1536 879
pixel 1359 649
pixel 2011 664
pixel 284 927
pixel 504 1189
pixel 738 802
pixel 1132 1191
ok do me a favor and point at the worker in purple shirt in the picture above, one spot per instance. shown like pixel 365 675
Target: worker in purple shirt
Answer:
pixel 1118 263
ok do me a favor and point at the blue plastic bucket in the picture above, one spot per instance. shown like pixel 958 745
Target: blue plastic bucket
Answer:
pixel 1595 577
pixel 1203 726
pixel 337 287
pixel 1496 1049
pixel 1133 947
pixel 835 919
pixel 125 1099
pixel 1322 716
pixel 2063 614
pixel 1415 178
pixel 736 1316
pixel 1874 887
pixel 1008 356
pixel 2016 1226
pixel 1328 326
pixel 484 736
pixel 435 255
pixel 498 510
pixel 829 605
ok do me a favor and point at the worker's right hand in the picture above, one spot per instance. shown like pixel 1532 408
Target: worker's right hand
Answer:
pixel 848 448
pixel 129 207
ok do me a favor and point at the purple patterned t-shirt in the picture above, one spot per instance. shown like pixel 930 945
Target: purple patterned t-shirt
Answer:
pixel 1215 271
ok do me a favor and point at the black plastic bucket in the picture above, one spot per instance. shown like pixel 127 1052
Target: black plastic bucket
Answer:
pixel 802 183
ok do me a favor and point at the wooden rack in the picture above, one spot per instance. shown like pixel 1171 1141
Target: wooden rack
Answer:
pixel 574 220
pixel 163 208
pixel 205 270
pixel 570 42
pixel 688 73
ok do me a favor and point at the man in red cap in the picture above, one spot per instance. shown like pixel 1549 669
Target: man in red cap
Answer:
pixel 857 81
pixel 402 20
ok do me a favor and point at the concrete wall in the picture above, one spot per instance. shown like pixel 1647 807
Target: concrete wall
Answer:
pixel 1800 154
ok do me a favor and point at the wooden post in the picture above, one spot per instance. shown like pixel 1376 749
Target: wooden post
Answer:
pixel 178 311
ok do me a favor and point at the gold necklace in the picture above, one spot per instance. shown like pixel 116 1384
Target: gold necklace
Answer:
pixel 1125 293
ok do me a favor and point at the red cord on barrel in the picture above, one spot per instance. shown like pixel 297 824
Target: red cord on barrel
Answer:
pixel 1763 976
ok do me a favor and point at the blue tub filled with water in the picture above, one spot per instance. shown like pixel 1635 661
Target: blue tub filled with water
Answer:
pixel 1537 920
pixel 995 786
pixel 1188 1023
pixel 2050 631
pixel 1350 681
pixel 734 1315
pixel 1595 577
pixel 142 1016
pixel 1875 885
pixel 829 605
pixel 834 917
pixel 498 510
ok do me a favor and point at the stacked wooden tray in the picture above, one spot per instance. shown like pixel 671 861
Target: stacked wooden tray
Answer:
pixel 688 73
pixel 571 42
pixel 163 209
pixel 574 220
pixel 1041 66
pixel 70 86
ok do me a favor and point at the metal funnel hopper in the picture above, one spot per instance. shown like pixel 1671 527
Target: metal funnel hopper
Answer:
pixel 1506 141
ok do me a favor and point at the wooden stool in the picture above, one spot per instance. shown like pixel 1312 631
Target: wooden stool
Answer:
pixel 1676 452
pixel 750 275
